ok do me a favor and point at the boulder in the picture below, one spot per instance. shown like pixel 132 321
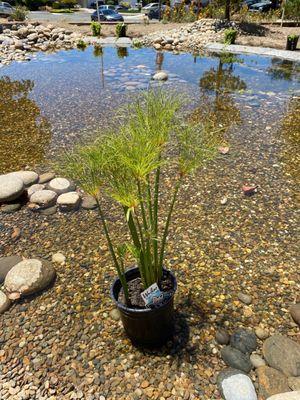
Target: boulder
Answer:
pixel 28 177
pixel 160 76
pixel 295 313
pixel 4 302
pixel 235 385
pixel 286 396
pixel 244 340
pixel 61 185
pixel 11 187
pixel 236 359
pixel 282 354
pixel 44 198
pixel 29 276
pixel 271 382
pixel 68 201
pixel 6 264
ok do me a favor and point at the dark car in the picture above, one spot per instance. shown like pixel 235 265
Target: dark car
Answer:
pixel 261 7
pixel 154 12
pixel 121 8
pixel 107 15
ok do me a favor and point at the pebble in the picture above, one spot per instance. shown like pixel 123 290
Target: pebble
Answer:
pixel 88 202
pixel 68 201
pixel 46 177
pixel 245 298
pixel 160 76
pixel 224 201
pixel 257 361
pixel 236 359
pixel 244 340
pixel 58 258
pixel 261 333
pixel 222 337
pixel 61 185
pixel 115 314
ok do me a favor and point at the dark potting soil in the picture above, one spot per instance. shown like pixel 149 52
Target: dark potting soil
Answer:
pixel 135 288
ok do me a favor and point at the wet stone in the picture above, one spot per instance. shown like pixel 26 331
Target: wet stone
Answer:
pixel 236 359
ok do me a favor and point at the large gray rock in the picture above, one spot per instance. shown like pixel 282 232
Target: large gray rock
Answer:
pixel 236 359
pixel 44 198
pixel 235 385
pixel 294 382
pixel 68 201
pixel 6 264
pixel 4 302
pixel 244 340
pixel 286 396
pixel 29 276
pixel 28 177
pixel 61 185
pixel 282 354
pixel 11 188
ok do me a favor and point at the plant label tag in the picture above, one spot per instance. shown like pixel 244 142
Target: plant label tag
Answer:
pixel 152 295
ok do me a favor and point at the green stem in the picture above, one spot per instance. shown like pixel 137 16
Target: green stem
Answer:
pixel 155 220
pixel 166 230
pixel 112 252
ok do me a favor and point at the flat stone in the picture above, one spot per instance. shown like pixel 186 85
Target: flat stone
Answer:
pixel 61 185
pixel 261 333
pixel 47 211
pixel 222 337
pixel 257 361
pixel 29 276
pixel 10 208
pixel 68 201
pixel 28 177
pixel 160 76
pixel 4 302
pixel 295 313
pixel 283 354
pixel 236 359
pixel 34 188
pixel 11 187
pixel 46 177
pixel 286 396
pixel 6 264
pixel 44 198
pixel 271 381
pixel 245 298
pixel 244 340
pixel 294 382
pixel 235 385
pixel 88 202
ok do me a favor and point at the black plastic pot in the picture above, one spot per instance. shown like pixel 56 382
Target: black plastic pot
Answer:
pixel 291 43
pixel 146 327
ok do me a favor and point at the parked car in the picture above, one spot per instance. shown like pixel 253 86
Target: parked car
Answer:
pixel 261 7
pixel 149 7
pixel 107 15
pixel 107 7
pixel 5 9
pixel 249 3
pixel 154 13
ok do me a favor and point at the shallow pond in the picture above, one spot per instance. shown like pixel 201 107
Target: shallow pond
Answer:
pixel 54 99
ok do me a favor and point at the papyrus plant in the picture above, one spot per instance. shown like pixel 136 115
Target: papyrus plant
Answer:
pixel 127 164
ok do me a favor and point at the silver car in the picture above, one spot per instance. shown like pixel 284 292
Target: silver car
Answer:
pixel 6 9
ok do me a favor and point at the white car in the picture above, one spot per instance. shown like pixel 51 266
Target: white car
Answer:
pixel 148 7
pixel 6 9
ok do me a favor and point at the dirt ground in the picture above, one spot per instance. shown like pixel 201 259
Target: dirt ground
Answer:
pixel 259 35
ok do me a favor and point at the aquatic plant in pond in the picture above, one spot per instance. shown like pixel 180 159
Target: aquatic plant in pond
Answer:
pixel 127 165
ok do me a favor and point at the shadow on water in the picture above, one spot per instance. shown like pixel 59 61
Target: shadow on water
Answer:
pixel 24 133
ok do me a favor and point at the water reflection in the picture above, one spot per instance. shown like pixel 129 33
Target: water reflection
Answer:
pixel 122 52
pixel 216 103
pixel 283 69
pixel 24 133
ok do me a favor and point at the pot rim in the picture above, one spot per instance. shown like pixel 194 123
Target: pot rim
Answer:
pixel 123 307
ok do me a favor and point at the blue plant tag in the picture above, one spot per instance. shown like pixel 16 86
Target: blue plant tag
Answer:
pixel 152 296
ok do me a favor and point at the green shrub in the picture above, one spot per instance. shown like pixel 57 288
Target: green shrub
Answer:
pixel 121 30
pixel 63 4
pixel 293 37
pixel 136 43
pixel 230 36
pixel 96 28
pixel 20 13
pixel 81 44
pixel 292 10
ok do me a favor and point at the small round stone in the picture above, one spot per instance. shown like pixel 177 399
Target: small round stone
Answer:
pixel 88 202
pixel 261 333
pixel 61 185
pixel 245 298
pixel 46 177
pixel 58 258
pixel 257 361
pixel 222 337
pixel 68 201
pixel 115 314
pixel 44 198
pixel 160 76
